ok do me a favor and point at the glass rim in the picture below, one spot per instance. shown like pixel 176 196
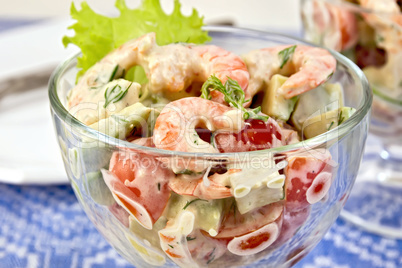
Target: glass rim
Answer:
pixel 361 111
pixel 380 94
pixel 359 8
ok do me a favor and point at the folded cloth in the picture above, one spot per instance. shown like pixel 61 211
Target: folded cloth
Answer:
pixel 44 226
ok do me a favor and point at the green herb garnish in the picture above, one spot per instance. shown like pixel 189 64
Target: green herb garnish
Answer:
pixel 211 256
pixel 187 172
pixel 332 123
pixel 340 118
pixel 233 94
pixel 115 94
pixel 119 119
pixel 192 201
pixel 284 55
pixel 114 73
pixel 233 207
pixel 379 38
pixel 189 238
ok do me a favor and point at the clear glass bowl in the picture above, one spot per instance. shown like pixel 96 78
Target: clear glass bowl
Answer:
pixel 274 235
pixel 372 38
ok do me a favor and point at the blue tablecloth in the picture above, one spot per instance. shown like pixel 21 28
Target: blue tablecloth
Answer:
pixel 44 226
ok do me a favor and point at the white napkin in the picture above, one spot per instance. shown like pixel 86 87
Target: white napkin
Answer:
pixel 28 150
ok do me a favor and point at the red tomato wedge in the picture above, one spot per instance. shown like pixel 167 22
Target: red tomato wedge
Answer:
pixel 370 56
pixel 139 183
pixel 256 135
pixel 308 179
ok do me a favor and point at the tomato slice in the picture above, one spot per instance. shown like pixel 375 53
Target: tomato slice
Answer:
pixel 260 133
pixel 141 186
pixel 255 241
pixel 308 179
pixel 256 135
pixel 370 56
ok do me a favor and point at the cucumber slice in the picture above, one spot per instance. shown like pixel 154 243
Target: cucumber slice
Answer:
pixel 320 100
pixel 208 213
pixel 324 122
pixel 98 189
pixel 121 124
pixel 274 103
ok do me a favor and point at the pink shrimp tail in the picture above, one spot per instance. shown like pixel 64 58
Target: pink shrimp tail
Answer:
pixel 314 65
pixel 198 188
pixel 213 191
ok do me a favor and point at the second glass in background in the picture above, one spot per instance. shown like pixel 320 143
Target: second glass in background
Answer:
pixel 369 32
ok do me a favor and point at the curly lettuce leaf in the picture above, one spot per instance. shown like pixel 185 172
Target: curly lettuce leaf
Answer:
pixel 96 35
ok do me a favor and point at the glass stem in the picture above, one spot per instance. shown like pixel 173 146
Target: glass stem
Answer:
pixel 391 163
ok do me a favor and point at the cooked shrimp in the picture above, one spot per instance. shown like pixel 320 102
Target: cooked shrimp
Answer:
pixel 216 187
pixel 387 23
pixel 92 86
pixel 386 6
pixel 330 25
pixel 175 126
pixel 170 69
pixel 344 29
pixel 308 68
pixel 223 64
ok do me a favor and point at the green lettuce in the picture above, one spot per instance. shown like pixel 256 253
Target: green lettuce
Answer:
pixel 96 35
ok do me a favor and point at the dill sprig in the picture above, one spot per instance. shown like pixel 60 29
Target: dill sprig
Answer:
pixel 233 95
pixel 330 126
pixel 113 74
pixel 192 201
pixel 189 238
pixel 340 118
pixel 114 94
pixel 285 54
pixel 187 172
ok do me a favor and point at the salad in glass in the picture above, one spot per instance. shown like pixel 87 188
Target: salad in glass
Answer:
pixel 191 152
pixel 369 32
